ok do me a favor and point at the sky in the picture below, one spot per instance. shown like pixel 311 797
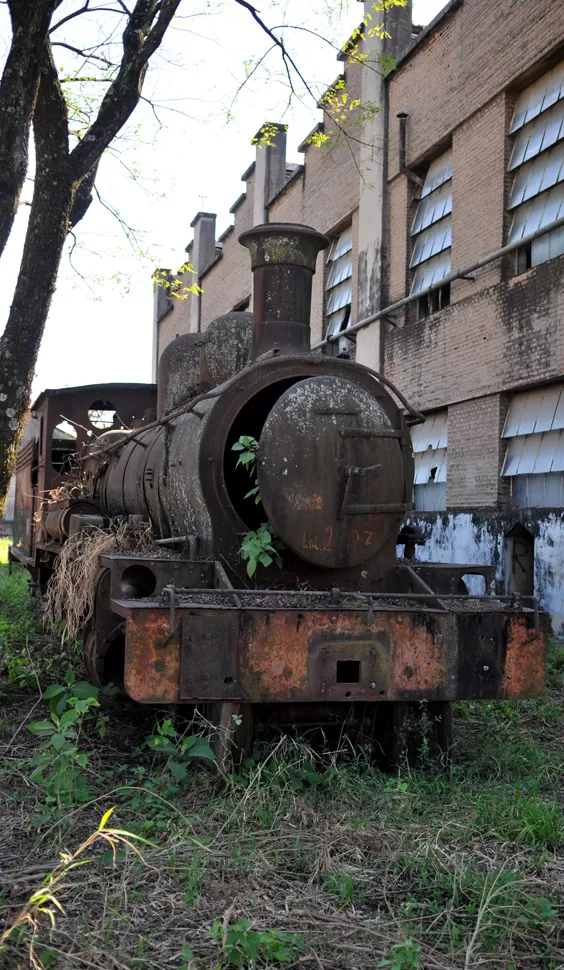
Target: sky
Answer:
pixel 184 151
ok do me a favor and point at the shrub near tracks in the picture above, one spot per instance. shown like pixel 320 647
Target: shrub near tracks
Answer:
pixel 296 859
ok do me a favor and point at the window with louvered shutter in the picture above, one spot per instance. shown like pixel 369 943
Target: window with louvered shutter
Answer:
pixel 537 161
pixel 534 460
pixel 338 298
pixel 429 442
pixel 431 231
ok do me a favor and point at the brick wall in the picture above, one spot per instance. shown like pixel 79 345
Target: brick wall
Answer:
pixel 480 156
pixel 230 279
pixel 474 450
pixel 458 86
pixel 323 195
pixel 506 336
pixel 474 53
pixel 170 326
pixel 402 208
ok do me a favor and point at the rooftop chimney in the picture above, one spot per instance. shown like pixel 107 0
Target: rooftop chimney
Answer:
pixel 270 167
pixel 283 260
pixel 202 254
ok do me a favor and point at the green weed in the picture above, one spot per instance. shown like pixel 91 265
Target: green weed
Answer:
pixel 179 751
pixel 194 875
pixel 521 818
pixel 28 657
pixel 402 956
pixel 341 885
pixel 242 946
pixel 247 446
pixel 59 764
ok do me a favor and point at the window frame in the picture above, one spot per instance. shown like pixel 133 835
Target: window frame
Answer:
pixel 339 317
pixel 430 236
pixel 536 167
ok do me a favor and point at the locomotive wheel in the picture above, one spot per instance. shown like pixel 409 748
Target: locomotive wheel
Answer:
pixel 104 656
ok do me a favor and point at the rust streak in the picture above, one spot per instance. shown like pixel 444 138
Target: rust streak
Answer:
pixel 152 657
pixel 524 660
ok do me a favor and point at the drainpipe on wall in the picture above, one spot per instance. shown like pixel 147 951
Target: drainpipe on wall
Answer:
pixel 372 218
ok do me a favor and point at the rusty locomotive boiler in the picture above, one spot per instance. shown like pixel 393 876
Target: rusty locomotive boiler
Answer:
pixel 343 629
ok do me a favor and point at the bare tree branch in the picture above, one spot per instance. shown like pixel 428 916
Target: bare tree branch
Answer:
pixel 128 231
pixel 288 62
pixel 335 47
pixel 278 42
pixel 141 38
pixel 77 13
pixel 81 53
pixel 249 76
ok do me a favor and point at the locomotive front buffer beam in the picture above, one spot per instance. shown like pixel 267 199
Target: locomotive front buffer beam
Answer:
pixel 272 647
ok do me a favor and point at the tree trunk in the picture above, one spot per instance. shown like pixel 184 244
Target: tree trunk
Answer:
pixel 62 194
pixel 18 91
pixel 48 226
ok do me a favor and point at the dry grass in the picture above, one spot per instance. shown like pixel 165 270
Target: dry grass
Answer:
pixel 458 869
pixel 355 866
pixel 70 595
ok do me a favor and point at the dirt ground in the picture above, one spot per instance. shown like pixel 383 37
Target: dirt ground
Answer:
pixel 300 858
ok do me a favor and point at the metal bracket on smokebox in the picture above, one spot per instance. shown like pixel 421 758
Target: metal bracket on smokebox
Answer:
pixel 351 472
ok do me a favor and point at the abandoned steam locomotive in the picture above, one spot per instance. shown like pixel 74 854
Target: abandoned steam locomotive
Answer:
pixel 344 629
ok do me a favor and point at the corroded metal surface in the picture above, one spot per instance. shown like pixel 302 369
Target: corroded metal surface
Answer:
pixel 335 472
pixel 38 471
pixel 326 656
pixel 152 657
pixel 283 260
pixel 525 660
pixel 196 362
pixel 331 472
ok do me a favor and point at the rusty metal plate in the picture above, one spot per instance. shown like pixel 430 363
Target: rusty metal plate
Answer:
pixel 281 655
pixel 331 472
pixel 152 656
pixel 277 656
pixel 208 659
pixel 346 668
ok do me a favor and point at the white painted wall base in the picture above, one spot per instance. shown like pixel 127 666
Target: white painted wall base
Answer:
pixel 478 539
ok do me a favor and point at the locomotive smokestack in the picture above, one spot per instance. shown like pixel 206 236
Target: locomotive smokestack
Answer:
pixel 283 263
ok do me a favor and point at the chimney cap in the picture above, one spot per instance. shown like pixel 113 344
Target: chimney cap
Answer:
pixel 269 127
pixel 283 243
pixel 202 215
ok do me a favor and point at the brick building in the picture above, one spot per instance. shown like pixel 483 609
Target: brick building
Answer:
pixel 465 159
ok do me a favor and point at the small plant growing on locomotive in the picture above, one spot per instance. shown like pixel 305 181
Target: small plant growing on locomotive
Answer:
pixel 247 446
pixel 258 546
